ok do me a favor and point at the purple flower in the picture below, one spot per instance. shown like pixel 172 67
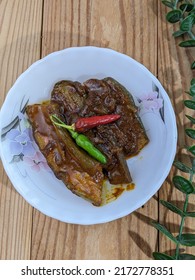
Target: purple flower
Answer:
pixel 37 162
pixel 151 101
pixel 21 143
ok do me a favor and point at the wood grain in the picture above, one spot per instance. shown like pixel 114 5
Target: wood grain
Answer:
pixel 122 26
pixel 32 29
pixel 175 74
pixel 20 30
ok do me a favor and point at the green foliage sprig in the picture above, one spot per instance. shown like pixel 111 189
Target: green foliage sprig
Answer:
pixel 184 13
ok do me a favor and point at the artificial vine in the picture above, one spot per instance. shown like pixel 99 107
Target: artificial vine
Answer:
pixel 183 13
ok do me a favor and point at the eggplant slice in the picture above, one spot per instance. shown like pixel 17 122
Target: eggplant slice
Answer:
pixel 79 172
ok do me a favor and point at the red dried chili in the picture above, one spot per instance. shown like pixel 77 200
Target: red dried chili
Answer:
pixel 84 124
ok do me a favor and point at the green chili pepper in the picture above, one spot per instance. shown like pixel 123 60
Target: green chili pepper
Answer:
pixel 81 140
pixel 87 145
pixel 74 134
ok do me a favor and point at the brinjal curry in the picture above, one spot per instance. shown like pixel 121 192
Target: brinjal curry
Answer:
pixel 76 158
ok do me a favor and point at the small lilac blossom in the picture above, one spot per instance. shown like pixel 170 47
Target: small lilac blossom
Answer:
pixel 37 162
pixel 151 101
pixel 20 142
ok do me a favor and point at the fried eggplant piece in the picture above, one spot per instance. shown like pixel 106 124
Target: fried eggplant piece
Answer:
pixel 121 139
pixel 129 123
pixel 128 132
pixel 119 174
pixel 69 95
pixel 79 172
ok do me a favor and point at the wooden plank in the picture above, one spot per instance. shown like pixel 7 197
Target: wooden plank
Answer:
pixel 20 34
pixel 131 28
pixel 175 74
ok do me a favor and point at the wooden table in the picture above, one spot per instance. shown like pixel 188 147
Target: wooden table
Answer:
pixel 31 29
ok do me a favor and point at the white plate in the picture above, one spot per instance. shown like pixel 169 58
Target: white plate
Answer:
pixel 37 184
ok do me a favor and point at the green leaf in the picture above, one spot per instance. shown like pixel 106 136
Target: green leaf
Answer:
pixel 192 11
pixel 192 81
pixel 187 23
pixel 183 184
pixel 178 33
pixel 187 44
pixel 193 65
pixel 191 119
pixel 187 239
pixel 174 16
pixel 192 149
pixel 172 207
pixel 186 257
pixel 193 168
pixel 168 4
pixel 190 132
pixel 186 7
pixel 164 230
pixel 192 90
pixel 162 256
pixel 190 104
pixel 190 214
pixel 181 166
